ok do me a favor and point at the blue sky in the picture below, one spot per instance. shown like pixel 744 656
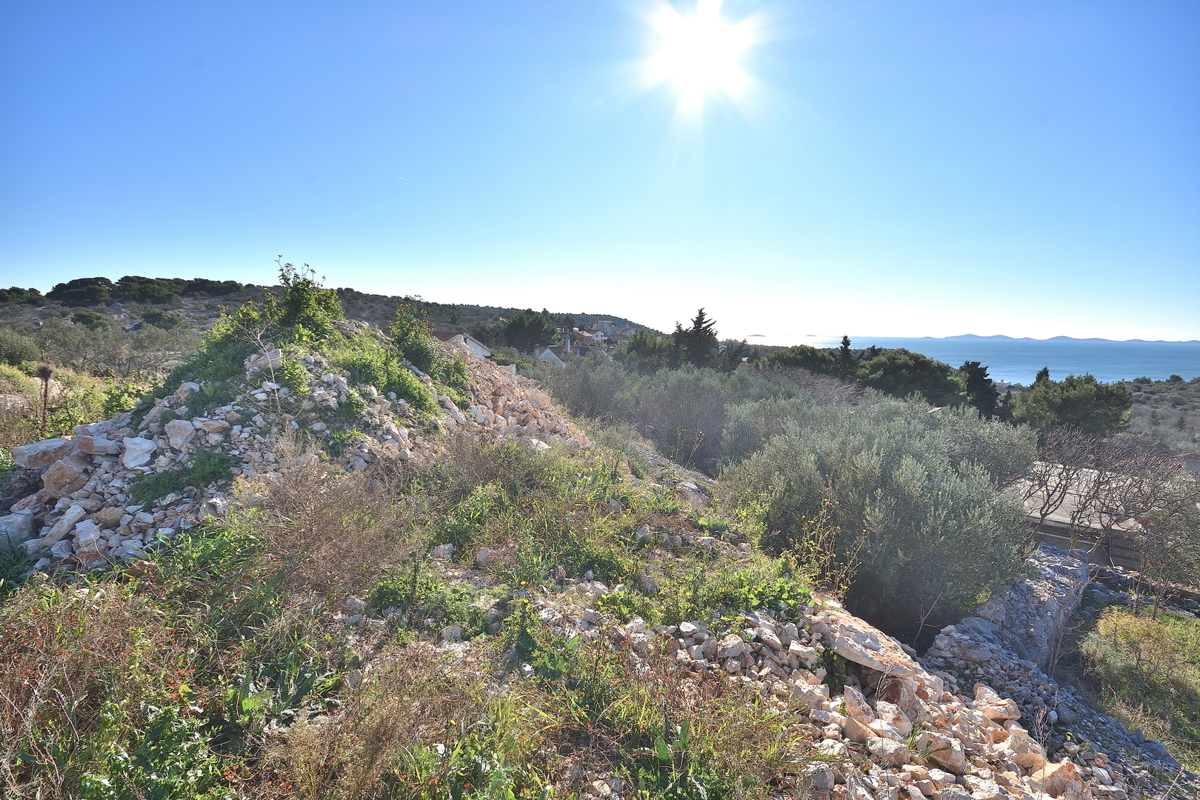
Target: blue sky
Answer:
pixel 902 169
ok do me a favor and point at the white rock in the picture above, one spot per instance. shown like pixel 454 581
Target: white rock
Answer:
pixel 66 523
pixel 137 451
pixel 41 454
pixel 180 433
pixel 15 528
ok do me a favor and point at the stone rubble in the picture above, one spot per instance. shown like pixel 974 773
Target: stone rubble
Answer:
pixel 899 728
pixel 76 504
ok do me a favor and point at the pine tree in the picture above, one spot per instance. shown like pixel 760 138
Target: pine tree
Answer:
pixel 846 360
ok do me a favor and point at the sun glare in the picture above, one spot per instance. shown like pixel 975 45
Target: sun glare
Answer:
pixel 700 53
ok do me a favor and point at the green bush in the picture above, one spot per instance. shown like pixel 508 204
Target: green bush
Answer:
pixel 922 488
pixel 91 320
pixel 367 361
pixel 205 467
pixel 162 319
pixel 16 348
pixel 683 410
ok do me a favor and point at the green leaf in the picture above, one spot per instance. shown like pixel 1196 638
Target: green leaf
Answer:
pixel 664 753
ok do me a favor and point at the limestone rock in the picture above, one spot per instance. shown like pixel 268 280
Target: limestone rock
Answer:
pixel 945 750
pixel 137 452
pixel 180 433
pixel 1060 780
pixel 41 454
pixel 97 445
pixel 15 528
pixel 62 478
pixel 66 523
pixel 891 752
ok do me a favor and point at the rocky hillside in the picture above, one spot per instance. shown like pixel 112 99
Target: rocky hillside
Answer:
pixel 593 620
pixel 122 485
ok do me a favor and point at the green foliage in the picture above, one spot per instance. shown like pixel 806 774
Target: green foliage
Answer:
pixel 980 389
pixel 748 426
pixel 901 373
pixel 429 596
pixel 16 348
pixel 683 411
pixel 588 387
pixel 205 467
pixel 923 488
pixel 91 320
pixel 802 356
pixel 292 374
pixel 162 319
pixel 411 335
pixel 644 353
pixel 306 310
pixel 15 294
pixel 697 343
pixel 82 292
pixel 368 361
pixel 119 396
pixel 696 591
pixel 525 329
pixel 1146 673
pixel 1078 402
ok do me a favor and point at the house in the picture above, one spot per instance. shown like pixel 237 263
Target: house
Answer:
pixel 549 355
pixel 477 347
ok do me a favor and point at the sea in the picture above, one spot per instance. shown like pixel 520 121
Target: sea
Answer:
pixel 1018 360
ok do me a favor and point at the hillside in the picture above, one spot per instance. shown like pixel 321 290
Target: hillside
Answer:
pixel 319 563
pixel 200 309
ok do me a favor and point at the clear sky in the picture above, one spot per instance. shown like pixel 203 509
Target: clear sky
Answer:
pixel 873 168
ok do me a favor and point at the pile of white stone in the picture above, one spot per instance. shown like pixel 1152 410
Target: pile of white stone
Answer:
pixel 84 514
pixel 1008 643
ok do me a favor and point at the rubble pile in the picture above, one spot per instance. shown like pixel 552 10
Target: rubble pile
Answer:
pixel 79 505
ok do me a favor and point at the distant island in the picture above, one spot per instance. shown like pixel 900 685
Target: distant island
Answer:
pixel 1060 339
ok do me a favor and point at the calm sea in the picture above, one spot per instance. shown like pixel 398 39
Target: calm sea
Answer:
pixel 1018 360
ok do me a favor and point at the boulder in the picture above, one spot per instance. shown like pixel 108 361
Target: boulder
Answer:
pixel 15 528
pixel 66 523
pixel 1059 780
pixel 857 707
pixel 944 750
pixel 137 452
pixel 993 706
pixel 62 478
pixel 97 445
pixel 41 454
pixel 180 433
pixel 890 752
pixel 109 517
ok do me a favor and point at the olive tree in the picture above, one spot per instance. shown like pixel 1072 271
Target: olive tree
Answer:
pixel 926 492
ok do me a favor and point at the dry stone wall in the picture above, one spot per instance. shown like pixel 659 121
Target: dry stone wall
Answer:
pixel 1007 644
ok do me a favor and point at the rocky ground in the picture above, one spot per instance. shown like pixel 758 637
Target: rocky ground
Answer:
pixel 73 499
pixel 975 718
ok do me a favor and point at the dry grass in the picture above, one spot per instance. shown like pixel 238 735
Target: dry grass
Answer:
pixel 416 696
pixel 66 654
pixel 337 532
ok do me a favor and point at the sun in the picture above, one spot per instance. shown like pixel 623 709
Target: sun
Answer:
pixel 699 53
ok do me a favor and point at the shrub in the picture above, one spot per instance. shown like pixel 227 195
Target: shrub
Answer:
pixel 162 319
pixel 683 411
pixel 938 534
pixel 588 387
pixel 16 348
pixel 82 292
pixel 368 361
pixel 91 320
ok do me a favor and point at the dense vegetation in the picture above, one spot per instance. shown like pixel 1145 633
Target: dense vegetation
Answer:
pixel 882 475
